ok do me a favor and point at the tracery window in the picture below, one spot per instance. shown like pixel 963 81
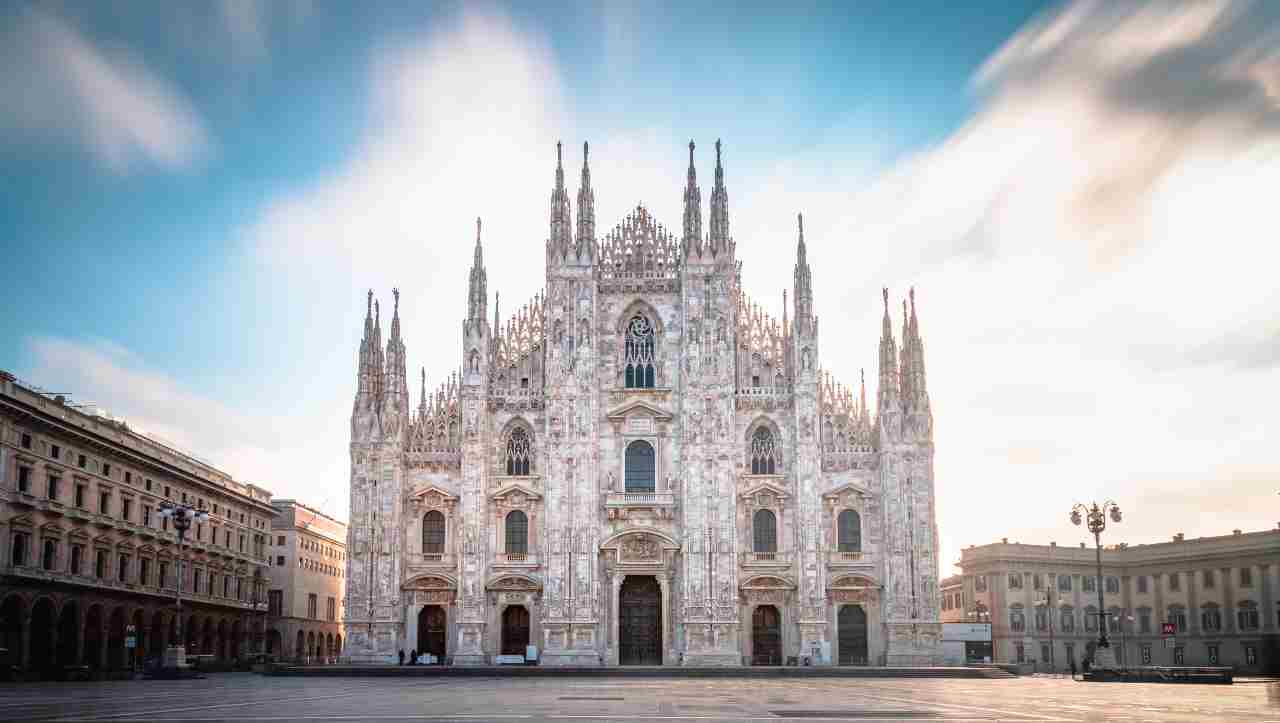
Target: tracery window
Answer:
pixel 639 353
pixel 433 533
pixel 765 457
pixel 640 467
pixel 849 526
pixel 517 533
pixel 519 450
pixel 764 528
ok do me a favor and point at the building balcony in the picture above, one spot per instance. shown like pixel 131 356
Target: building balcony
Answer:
pixel 430 561
pixel 516 561
pixel 640 499
pixel 766 560
pixel 103 521
pixel 860 559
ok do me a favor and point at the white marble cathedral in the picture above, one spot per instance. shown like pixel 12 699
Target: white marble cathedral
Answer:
pixel 643 467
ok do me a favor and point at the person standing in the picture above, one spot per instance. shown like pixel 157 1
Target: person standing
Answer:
pixel 400 657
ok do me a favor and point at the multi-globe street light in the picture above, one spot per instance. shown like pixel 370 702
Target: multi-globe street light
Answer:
pixel 1097 522
pixel 183 516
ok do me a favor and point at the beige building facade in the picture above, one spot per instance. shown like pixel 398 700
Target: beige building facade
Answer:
pixel 87 563
pixel 1221 594
pixel 308 569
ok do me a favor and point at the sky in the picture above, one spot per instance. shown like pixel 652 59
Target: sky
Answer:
pixel 196 196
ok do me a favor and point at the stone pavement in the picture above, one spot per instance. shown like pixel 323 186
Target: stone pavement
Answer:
pixel 248 697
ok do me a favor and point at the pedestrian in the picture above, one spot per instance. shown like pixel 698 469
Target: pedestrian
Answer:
pixel 413 657
pixel 400 656
pixel 1073 667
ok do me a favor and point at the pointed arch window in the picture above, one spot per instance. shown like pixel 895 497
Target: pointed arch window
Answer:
pixel 764 529
pixel 640 467
pixel 519 452
pixel 849 526
pixel 765 456
pixel 517 533
pixel 433 533
pixel 639 353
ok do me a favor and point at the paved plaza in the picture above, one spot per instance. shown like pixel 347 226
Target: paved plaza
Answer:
pixel 247 697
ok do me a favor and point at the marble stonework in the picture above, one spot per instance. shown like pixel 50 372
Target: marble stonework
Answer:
pixel 743 423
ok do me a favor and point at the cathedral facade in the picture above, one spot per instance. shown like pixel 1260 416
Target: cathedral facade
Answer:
pixel 641 466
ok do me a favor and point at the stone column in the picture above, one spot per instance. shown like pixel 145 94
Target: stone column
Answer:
pixel 667 638
pixel 25 622
pixel 615 610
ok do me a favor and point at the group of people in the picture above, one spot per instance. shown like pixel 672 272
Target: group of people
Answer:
pixel 413 657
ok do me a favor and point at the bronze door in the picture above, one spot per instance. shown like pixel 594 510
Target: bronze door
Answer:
pixel 766 636
pixel 852 624
pixel 432 631
pixel 515 630
pixel 640 622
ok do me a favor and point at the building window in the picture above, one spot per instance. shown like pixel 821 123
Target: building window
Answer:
pixel 166 490
pixel 639 354
pixel 519 452
pixel 1211 617
pixel 1037 581
pixel 77 558
pixel 1144 620
pixel 53 486
pixel 1068 619
pixel 1208 579
pixel 517 533
pixel 104 503
pixel 1142 584
pixel 1113 585
pixel 19 549
pixel 764 531
pixel 980 583
pixel 1088 583
pixel 1044 652
pixel 275 602
pixel 1212 651
pixel 766 458
pixel 1064 583
pixel 226 586
pixel 1246 577
pixel 311 606
pixel 24 480
pixel 1250 655
pixel 279 539
pixel 26 441
pixel 80 462
pixel 144 571
pixel 1179 655
pixel 640 468
pixel 849 533
pixel 433 533
pixel 241 543
pixel 122 569
pixel 1017 619
pixel 147 484
pixel 331 609
pixel 195 580
pixel 1019 653
pixel 80 496
pixel 1090 618
pixel 1070 650
pixel 226 539
pixel 1247 616
pixel 1015 581
pixel 146 516
pixel 106 472
pixel 55 451
pixel 1113 619
pixel 126 509
pixel 1146 655
pixel 279 560
pixel 49 558
pixel 1178 616
pixel 1042 620
pixel 1175 582
pixel 100 565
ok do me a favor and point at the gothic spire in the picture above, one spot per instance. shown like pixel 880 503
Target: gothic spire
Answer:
pixel 561 230
pixel 422 396
pixel 919 386
pixel 396 385
pixel 905 363
pixel 378 367
pixel 718 237
pixel 803 281
pixel 477 291
pixel 692 209
pixel 364 377
pixel 586 211
pixel 887 391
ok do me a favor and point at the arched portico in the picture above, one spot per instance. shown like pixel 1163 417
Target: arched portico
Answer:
pixel 855 621
pixel 431 613
pixel 640 621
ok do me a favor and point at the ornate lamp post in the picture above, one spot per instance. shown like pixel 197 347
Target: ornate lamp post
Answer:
pixel 1097 520
pixel 182 516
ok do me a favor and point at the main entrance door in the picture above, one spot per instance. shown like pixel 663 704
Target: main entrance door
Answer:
pixel 766 636
pixel 432 631
pixel 640 622
pixel 515 630
pixel 852 624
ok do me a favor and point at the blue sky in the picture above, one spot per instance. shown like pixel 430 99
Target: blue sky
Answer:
pixel 198 193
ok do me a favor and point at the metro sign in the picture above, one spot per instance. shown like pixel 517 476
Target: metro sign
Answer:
pixel 1168 628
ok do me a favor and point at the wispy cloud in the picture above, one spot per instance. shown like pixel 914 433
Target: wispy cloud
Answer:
pixel 60 86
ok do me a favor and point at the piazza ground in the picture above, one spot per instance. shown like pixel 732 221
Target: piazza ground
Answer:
pixel 250 697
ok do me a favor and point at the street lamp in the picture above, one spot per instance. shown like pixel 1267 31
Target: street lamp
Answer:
pixel 182 516
pixel 1097 519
